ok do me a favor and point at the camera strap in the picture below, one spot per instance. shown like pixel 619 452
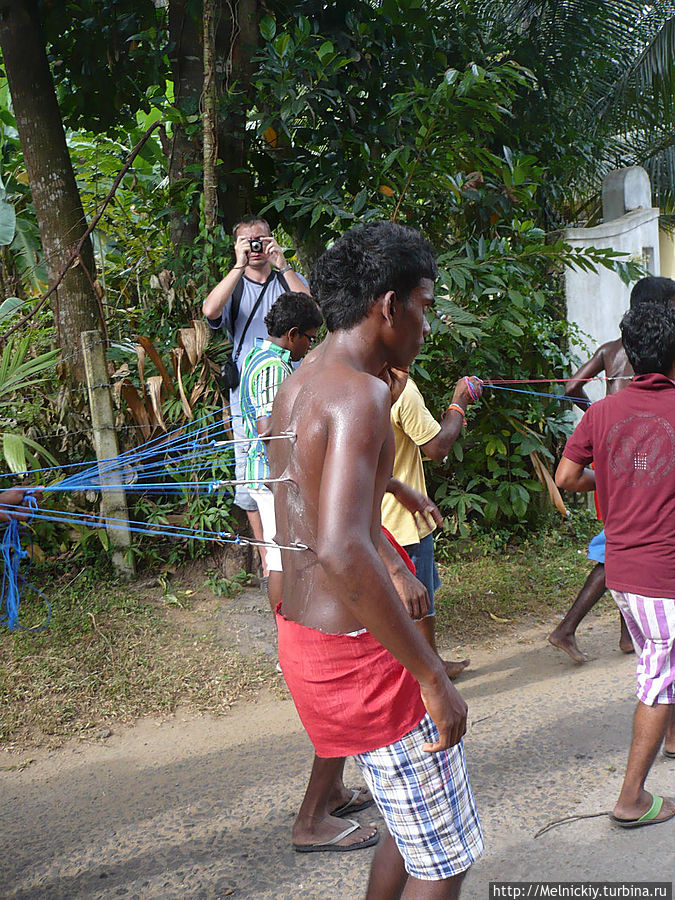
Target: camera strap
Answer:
pixel 256 306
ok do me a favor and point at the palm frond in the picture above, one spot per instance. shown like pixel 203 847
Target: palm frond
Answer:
pixel 646 87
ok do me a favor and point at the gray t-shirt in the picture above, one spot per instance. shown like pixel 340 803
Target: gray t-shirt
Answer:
pixel 257 328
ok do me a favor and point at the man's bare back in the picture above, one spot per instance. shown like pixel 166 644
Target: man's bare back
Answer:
pixel 321 405
pixel 609 358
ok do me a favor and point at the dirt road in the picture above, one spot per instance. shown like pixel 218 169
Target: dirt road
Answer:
pixel 192 807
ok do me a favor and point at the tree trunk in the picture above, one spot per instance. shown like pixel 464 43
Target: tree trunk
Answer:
pixel 236 42
pixel 56 199
pixel 209 106
pixel 309 245
pixel 184 149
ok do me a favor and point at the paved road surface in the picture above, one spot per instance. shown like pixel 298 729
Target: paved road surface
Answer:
pixel 199 808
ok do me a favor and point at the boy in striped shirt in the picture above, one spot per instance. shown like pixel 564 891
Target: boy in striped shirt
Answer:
pixel 292 324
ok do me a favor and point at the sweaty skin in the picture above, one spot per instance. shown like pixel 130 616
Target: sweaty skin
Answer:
pixel 611 359
pixel 338 466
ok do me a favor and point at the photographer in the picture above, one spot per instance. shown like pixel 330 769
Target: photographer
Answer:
pixel 238 305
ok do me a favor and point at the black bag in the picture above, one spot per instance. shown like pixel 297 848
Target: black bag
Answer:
pixel 229 376
pixel 229 371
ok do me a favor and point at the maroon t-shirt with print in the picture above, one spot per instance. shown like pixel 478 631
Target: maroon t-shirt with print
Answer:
pixel 630 437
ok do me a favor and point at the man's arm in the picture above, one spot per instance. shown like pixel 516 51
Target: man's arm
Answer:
pixel 277 258
pixel 451 425
pixel 415 502
pixel 350 559
pixel 412 593
pixel 13 504
pixel 216 301
pixel 575 386
pixel 572 476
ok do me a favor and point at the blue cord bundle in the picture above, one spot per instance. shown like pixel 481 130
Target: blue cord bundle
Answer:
pixel 10 592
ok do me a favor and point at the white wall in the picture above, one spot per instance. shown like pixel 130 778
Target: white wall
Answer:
pixel 596 301
pixel 667 253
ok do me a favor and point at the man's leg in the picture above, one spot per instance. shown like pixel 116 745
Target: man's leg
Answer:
pixel 242 497
pixel 390 881
pixel 256 527
pixel 427 626
pixel 649 728
pixel 325 793
pixel 669 742
pixel 625 640
pixel 448 889
pixel 422 555
pixel 651 621
pixel 387 873
pixel 264 500
pixel 563 636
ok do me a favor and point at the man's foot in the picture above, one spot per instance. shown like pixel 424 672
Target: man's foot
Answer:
pixel 352 801
pixel 453 669
pixel 335 835
pixel 568 643
pixel 652 811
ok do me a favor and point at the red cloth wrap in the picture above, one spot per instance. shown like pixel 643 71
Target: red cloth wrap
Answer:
pixel 351 694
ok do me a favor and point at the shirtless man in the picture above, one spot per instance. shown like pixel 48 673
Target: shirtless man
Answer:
pixel 364 680
pixel 611 359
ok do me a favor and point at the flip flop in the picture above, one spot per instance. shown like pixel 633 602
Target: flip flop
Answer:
pixel 669 754
pixel 351 806
pixel 333 846
pixel 649 818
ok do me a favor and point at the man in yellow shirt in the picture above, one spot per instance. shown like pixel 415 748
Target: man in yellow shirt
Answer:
pixel 416 432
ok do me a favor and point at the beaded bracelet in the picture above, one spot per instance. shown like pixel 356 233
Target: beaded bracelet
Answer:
pixel 458 408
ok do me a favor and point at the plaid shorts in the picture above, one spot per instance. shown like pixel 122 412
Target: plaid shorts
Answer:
pixel 426 801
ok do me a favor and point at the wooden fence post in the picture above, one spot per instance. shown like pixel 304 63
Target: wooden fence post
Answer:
pixel 113 502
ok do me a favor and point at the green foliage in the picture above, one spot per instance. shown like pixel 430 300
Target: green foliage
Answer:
pixel 605 73
pixel 227 587
pixel 99 90
pixel 21 373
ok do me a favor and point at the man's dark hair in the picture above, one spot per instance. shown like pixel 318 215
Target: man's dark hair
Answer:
pixel 648 334
pixel 653 289
pixel 292 310
pixel 250 220
pixel 365 263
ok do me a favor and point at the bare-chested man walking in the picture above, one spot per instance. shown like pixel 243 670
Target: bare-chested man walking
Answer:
pixel 363 678
pixel 611 359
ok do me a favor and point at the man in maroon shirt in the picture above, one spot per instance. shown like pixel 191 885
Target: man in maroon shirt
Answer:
pixel 630 437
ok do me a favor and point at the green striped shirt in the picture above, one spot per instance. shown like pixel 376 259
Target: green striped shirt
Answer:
pixel 264 369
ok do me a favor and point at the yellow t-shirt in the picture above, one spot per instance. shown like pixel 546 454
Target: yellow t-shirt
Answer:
pixel 413 426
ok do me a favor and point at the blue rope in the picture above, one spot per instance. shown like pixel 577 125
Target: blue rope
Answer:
pixel 499 387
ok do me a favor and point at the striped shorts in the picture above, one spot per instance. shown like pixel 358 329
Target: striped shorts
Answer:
pixel 651 622
pixel 426 801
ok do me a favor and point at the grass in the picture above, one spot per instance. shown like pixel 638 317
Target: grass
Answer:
pixel 116 652
pixel 534 579
pixel 112 653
